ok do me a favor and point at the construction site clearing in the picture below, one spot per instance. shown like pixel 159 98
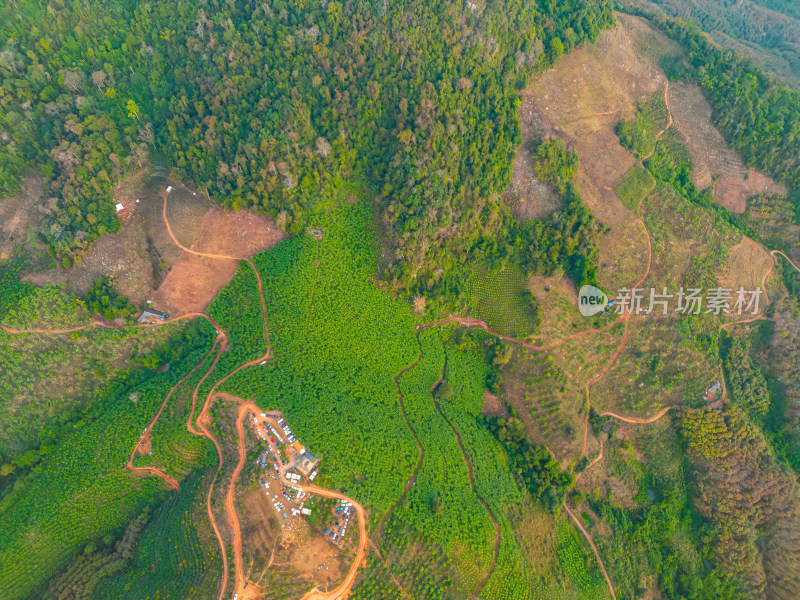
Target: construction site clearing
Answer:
pixel 293 465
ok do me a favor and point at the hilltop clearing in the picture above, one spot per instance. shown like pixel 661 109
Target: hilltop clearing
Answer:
pixel 145 262
pixel 714 163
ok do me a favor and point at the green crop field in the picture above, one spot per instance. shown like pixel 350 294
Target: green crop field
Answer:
pixel 81 490
pixel 503 301
pixel 634 187
pixel 338 343
pixel 70 485
pixel 173 449
pixel 671 159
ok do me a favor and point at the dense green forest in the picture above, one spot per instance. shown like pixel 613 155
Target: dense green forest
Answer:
pixel 265 104
pixel 541 472
pixel 104 300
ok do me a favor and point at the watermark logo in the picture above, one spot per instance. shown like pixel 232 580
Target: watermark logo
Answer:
pixel 592 300
pixel 688 301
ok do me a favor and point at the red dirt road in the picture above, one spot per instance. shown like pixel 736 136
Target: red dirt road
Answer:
pixel 248 408
pixel 588 537
pixel 638 420
pixel 94 323
pixel 203 418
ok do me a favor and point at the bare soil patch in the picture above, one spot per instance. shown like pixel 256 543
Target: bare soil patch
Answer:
pixel 712 158
pixel 186 211
pixel 733 191
pixel 126 255
pixel 602 163
pixel 529 197
pixel 145 445
pixel 20 213
pixel 747 263
pixel 260 523
pixel 192 283
pixel 147 265
pixel 238 233
pixel 493 405
pixel 583 98
pixel 599 83
pixel 581 101
pixel 286 551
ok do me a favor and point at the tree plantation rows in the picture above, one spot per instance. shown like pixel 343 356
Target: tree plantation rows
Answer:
pixel 79 490
pixel 345 354
pixel 338 343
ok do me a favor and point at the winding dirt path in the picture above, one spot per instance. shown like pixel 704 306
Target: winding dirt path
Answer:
pixel 95 323
pixel 248 408
pixel 497 533
pixel 588 537
pixel 107 325
pixel 761 315
pixel 470 322
pixel 343 589
pixel 413 478
pixel 596 460
pixel 638 420
pixel 485 580
pixel 624 316
pixel 145 437
pixel 203 419
pixel 184 248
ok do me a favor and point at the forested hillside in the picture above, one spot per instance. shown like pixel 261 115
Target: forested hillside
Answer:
pixel 262 104
pixel 768 31
pixel 756 114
